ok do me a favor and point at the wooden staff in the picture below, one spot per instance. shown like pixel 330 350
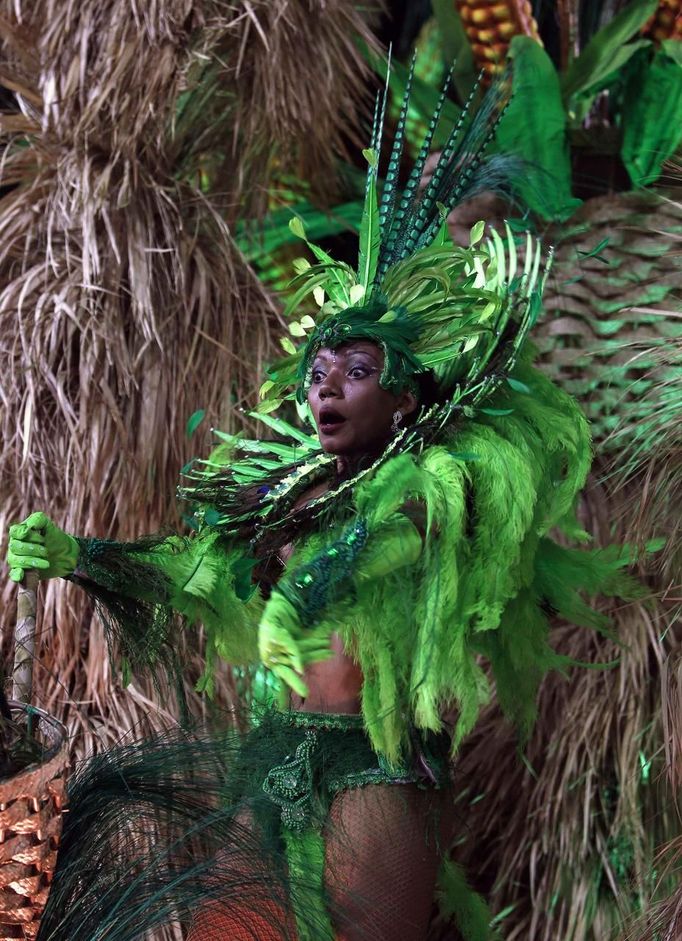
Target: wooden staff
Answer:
pixel 25 637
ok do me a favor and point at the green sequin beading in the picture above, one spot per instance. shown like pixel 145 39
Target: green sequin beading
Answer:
pixel 290 785
pixel 316 583
pixel 322 721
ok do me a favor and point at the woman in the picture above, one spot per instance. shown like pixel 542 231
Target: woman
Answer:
pixel 369 568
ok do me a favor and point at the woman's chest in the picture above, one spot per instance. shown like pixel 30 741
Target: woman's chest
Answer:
pixel 285 552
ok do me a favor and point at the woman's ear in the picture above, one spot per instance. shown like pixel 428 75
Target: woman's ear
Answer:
pixel 407 402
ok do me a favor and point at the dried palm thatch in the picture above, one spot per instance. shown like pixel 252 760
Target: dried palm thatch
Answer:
pixel 299 81
pixel 663 922
pixel 125 305
pixel 672 721
pixel 565 842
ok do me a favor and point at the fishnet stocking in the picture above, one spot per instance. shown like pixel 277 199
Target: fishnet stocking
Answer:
pixel 264 917
pixel 216 923
pixel 384 847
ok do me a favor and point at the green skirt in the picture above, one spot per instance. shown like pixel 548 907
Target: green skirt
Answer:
pixel 325 753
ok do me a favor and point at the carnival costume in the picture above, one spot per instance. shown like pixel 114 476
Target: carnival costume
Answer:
pixel 432 615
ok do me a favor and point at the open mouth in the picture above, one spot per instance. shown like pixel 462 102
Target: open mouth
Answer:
pixel 330 420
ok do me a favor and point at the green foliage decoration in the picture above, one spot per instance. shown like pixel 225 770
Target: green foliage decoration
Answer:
pixel 607 51
pixel 535 127
pixel 652 123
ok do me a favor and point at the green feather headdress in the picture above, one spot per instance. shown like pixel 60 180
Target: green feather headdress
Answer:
pixel 462 312
pixel 428 303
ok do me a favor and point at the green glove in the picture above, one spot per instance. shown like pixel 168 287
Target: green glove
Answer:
pixel 38 544
pixel 285 647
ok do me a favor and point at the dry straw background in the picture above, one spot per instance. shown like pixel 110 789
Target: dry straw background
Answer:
pixel 143 131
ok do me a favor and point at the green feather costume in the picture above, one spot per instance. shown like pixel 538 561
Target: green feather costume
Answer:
pixel 495 464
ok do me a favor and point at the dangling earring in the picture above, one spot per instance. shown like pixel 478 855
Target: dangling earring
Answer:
pixel 397 418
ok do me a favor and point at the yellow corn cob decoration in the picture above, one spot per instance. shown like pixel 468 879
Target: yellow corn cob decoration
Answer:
pixel 491 24
pixel 666 23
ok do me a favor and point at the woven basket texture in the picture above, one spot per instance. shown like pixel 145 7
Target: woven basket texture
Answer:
pixel 31 805
pixel 612 331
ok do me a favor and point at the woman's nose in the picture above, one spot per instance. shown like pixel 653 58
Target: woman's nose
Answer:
pixel 330 385
pixel 327 391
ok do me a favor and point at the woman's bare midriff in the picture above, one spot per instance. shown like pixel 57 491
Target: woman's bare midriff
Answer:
pixel 334 685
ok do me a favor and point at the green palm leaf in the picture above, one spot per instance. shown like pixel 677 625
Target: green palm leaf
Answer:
pixel 370 235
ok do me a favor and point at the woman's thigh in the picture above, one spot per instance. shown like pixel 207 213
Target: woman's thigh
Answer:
pixel 384 847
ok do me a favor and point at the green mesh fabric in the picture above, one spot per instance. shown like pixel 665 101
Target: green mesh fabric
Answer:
pixel 384 851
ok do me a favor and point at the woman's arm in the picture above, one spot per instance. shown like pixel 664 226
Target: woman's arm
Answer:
pixel 138 586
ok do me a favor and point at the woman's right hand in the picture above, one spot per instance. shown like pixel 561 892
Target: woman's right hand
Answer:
pixel 285 647
pixel 38 544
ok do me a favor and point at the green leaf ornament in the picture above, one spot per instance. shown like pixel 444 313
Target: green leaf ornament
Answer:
pixel 608 50
pixel 297 228
pixel 652 123
pixel 195 419
pixel 370 236
pixel 534 128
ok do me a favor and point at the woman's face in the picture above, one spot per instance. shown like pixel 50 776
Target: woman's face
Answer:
pixel 352 412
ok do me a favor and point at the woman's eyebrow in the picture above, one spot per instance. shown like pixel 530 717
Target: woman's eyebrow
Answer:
pixel 353 352
pixel 324 358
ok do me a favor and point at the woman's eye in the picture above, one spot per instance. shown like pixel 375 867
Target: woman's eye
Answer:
pixel 357 372
pixel 317 375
